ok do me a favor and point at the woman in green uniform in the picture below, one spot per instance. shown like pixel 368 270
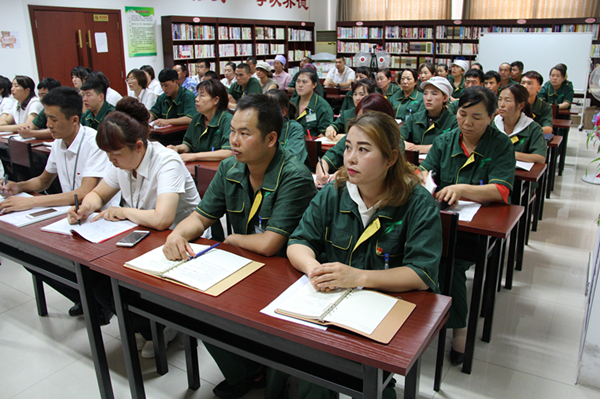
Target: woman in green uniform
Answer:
pixel 426 72
pixel 558 91
pixel 409 100
pixel 420 130
pixel 361 89
pixel 315 112
pixel 515 120
pixel 376 226
pixel 359 73
pixel 456 77
pixel 476 162
pixel 386 84
pixel 207 137
pixel 292 134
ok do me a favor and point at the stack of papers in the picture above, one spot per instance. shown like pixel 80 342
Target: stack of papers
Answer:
pixel 96 232
pixel 524 165
pixel 466 210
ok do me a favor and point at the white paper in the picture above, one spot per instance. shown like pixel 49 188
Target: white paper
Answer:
pixel 155 261
pixel 466 210
pixel 19 138
pixel 101 42
pixel 325 140
pixel 361 302
pixel 430 184
pixel 524 165
pixel 20 218
pixel 422 156
pixel 270 309
pixel 96 232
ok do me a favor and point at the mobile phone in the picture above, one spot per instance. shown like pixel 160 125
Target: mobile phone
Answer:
pixel 41 213
pixel 133 238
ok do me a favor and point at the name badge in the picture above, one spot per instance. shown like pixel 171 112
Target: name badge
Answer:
pixel 514 139
pixel 311 117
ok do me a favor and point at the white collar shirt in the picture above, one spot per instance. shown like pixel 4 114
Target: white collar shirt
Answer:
pixel 34 106
pixel 344 77
pixel 146 97
pixel 7 104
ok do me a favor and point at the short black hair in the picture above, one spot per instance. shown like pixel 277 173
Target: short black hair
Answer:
pixel 270 118
pixel 231 64
pixel 48 83
pixel 475 73
pixel 534 75
pixel 477 94
pixel 214 88
pixel 521 96
pixel 100 76
pixel 140 76
pixel 492 75
pixel 205 63
pixel 149 69
pixel 251 60
pixel 98 85
pixel 211 75
pixel 167 75
pixel 369 84
pixel 428 65
pixel 518 64
pixel 245 67
pixel 26 83
pixel 478 64
pixel 562 68
pixel 365 71
pixel 312 74
pixel 183 67
pixel 81 72
pixel 6 85
pixel 443 66
pixel 67 99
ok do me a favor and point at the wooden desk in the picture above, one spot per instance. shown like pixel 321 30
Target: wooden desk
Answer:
pixel 336 359
pixel 169 135
pixel 191 166
pixel 492 224
pixel 565 125
pixel 40 251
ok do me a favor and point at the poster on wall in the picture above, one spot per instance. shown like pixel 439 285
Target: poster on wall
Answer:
pixel 141 39
pixel 9 39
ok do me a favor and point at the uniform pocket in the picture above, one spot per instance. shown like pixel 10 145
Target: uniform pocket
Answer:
pixel 338 238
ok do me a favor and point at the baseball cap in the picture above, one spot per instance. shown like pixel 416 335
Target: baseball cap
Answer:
pixel 439 82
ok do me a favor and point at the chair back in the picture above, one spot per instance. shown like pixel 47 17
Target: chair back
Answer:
pixel 412 157
pixel 203 178
pixel 313 148
pixel 554 111
pixel 20 159
pixel 449 238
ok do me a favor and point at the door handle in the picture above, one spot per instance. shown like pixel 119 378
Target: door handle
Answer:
pixel 80 41
pixel 89 39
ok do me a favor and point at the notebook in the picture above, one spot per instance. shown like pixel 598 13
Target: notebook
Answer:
pixel 25 218
pixel 94 232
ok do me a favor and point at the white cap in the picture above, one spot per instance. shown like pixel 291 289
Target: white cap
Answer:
pixel 463 64
pixel 439 82
pixel 264 65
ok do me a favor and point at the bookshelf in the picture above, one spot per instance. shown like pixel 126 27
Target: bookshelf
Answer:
pixel 411 43
pixel 221 40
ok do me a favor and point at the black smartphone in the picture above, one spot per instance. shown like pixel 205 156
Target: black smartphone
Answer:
pixel 41 213
pixel 133 238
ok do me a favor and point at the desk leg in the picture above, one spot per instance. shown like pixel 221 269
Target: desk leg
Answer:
pixel 490 291
pixel 563 151
pixel 521 240
pixel 412 379
pixel 40 298
pixel 512 249
pixel 191 361
pixel 480 265
pixel 92 324
pixel 373 383
pixel 132 361
pixel 160 350
pixel 551 172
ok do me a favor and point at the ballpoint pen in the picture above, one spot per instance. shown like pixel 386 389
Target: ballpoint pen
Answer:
pixel 205 251
pixel 77 208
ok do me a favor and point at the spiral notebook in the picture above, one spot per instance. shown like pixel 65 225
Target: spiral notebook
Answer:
pixel 369 313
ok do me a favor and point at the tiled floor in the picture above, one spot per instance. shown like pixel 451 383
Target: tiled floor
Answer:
pixel 533 353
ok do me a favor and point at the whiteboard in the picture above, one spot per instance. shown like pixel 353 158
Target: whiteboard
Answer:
pixel 539 52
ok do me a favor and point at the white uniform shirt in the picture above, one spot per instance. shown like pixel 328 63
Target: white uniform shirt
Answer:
pixel 334 75
pixel 7 105
pixel 34 106
pixel 155 87
pixel 147 97
pixel 113 97
pixel 226 82
pixel 91 162
pixel 161 171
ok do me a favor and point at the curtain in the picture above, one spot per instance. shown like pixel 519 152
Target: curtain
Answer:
pixel 392 10
pixel 527 9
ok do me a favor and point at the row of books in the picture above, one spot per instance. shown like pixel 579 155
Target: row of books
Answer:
pixel 192 32
pixel 519 29
pixel 185 51
pixel 460 32
pixel 299 35
pixel 266 49
pixel 594 28
pixel 457 48
pixel 398 32
pixel 268 33
pixel 235 33
pixel 396 47
pixel 233 50
pixel 354 47
pixel 595 50
pixel 359 32
pixel 297 55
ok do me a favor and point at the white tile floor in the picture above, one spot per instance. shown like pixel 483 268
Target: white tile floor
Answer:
pixel 533 353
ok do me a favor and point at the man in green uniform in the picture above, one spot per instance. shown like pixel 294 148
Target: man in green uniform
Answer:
pixel 176 105
pixel 245 84
pixel 264 190
pixel 505 79
pixel 94 94
pixel 491 80
pixel 516 71
pixel 541 110
pixel 473 77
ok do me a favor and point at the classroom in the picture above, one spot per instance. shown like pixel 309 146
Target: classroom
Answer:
pixel 372 144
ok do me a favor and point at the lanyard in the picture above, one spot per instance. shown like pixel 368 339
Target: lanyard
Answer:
pixel 137 205
pixel 76 161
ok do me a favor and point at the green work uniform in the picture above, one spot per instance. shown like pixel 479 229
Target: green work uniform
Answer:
pixel 492 162
pixel 457 91
pixel 342 121
pixel 453 107
pixel 215 136
pixel 317 116
pixel 406 106
pixel 184 104
pixel 529 140
pixel 556 97
pixel 279 204
pixel 93 121
pixel 542 112
pixel 319 89
pixel 510 82
pixel 417 129
pixel 393 91
pixel 253 86
pixel 41 120
pixel 292 139
pixel 348 102
pixel 411 234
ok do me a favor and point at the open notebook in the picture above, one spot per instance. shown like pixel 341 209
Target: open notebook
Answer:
pixel 212 273
pixel 24 218
pixel 96 232
pixel 369 313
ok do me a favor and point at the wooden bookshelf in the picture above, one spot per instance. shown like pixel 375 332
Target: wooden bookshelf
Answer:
pixel 221 40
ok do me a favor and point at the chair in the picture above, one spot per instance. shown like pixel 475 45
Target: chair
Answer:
pixel 203 178
pixel 21 159
pixel 314 152
pixel 449 237
pixel 412 157
pixel 554 111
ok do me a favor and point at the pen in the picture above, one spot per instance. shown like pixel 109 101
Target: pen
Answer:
pixel 77 208
pixel 321 165
pixel 387 261
pixel 260 222
pixel 4 183
pixel 481 182
pixel 205 251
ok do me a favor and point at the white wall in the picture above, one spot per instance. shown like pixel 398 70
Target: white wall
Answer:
pixel 15 17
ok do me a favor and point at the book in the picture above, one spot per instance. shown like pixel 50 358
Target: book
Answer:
pixel 369 313
pixel 212 273
pixel 94 232
pixel 524 165
pixel 21 218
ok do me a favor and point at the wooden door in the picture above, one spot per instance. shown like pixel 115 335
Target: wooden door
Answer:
pixel 65 38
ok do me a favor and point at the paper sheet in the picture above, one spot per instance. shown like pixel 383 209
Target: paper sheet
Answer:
pixel 430 184
pixel 19 138
pixel 155 261
pixel 466 210
pixel 20 218
pixel 96 232
pixel 325 140
pixel 524 165
pixel 101 42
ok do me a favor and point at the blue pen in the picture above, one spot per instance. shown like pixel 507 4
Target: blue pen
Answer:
pixel 260 222
pixel 213 148
pixel 481 182
pixel 205 251
pixel 387 261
